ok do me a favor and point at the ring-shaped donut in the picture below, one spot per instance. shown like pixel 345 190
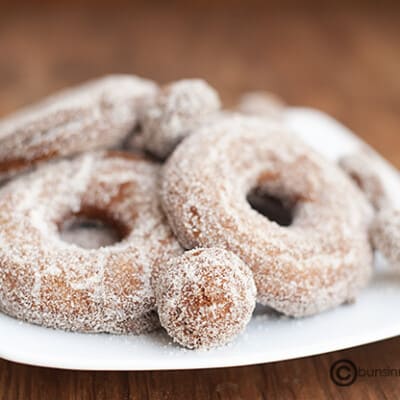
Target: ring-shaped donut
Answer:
pixel 47 281
pixel 321 260
pixel 95 115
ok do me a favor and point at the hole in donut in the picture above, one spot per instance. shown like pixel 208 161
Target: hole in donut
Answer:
pixel 91 230
pixel 270 207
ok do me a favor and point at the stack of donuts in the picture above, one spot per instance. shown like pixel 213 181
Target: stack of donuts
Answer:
pixel 177 178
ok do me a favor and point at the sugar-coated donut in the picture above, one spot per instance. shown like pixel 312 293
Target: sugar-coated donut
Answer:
pixel 46 281
pixel 204 297
pixel 95 115
pixel 261 103
pixel 321 260
pixel 374 175
pixel 385 234
pixel 177 110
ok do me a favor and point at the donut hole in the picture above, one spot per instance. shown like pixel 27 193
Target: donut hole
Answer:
pixel 271 207
pixel 91 230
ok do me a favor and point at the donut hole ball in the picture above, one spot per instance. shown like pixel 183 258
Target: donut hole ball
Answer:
pixel 179 108
pixel 91 229
pixel 204 298
pixel 274 208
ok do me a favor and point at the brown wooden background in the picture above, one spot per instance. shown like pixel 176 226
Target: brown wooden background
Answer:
pixel 344 60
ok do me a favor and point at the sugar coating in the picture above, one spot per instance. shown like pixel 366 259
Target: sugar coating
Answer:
pixel 95 115
pixel 374 175
pixel 177 110
pixel 385 234
pixel 320 261
pixel 204 297
pixel 262 104
pixel 46 281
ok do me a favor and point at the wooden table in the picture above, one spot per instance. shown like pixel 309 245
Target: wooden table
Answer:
pixel 345 61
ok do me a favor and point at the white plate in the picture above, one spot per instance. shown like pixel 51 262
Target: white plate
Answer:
pixel 268 337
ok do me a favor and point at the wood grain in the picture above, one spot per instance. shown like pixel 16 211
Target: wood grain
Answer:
pixel 344 60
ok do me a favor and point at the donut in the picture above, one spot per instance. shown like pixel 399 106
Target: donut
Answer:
pixel 262 104
pixel 204 297
pixel 322 259
pixel 49 282
pixel 385 234
pixel 95 115
pixel 177 110
pixel 373 175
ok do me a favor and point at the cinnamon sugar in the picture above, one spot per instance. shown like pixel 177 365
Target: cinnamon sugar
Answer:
pixel 95 115
pixel 205 297
pixel 178 109
pixel 320 261
pixel 47 281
